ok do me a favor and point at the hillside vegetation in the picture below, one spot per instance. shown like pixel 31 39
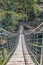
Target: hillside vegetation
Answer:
pixel 12 11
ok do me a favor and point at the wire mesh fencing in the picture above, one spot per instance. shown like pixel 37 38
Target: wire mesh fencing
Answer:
pixel 8 44
pixel 34 44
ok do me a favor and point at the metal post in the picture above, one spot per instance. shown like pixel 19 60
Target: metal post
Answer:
pixel 36 44
pixel 2 47
pixel 34 38
pixel 41 62
pixel 2 51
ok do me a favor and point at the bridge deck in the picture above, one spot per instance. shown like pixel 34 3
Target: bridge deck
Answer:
pixel 21 55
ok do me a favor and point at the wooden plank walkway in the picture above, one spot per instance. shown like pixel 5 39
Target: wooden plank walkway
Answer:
pixel 27 58
pixel 21 55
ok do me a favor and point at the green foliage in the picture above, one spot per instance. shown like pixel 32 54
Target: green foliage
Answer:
pixel 32 9
pixel 14 10
pixel 6 52
pixel 7 22
pixel 0 62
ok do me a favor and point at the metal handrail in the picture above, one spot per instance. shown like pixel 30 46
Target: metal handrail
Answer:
pixel 31 36
pixel 11 44
pixel 7 32
pixel 34 30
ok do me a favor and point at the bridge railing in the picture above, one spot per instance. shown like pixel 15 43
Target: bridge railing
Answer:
pixel 34 44
pixel 8 44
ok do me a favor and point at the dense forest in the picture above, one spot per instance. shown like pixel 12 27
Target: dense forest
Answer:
pixel 12 11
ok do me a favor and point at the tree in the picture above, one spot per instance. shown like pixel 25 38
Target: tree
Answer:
pixel 32 9
pixel 7 21
pixel 21 7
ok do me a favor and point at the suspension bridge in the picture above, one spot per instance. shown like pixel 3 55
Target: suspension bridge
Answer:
pixel 22 48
